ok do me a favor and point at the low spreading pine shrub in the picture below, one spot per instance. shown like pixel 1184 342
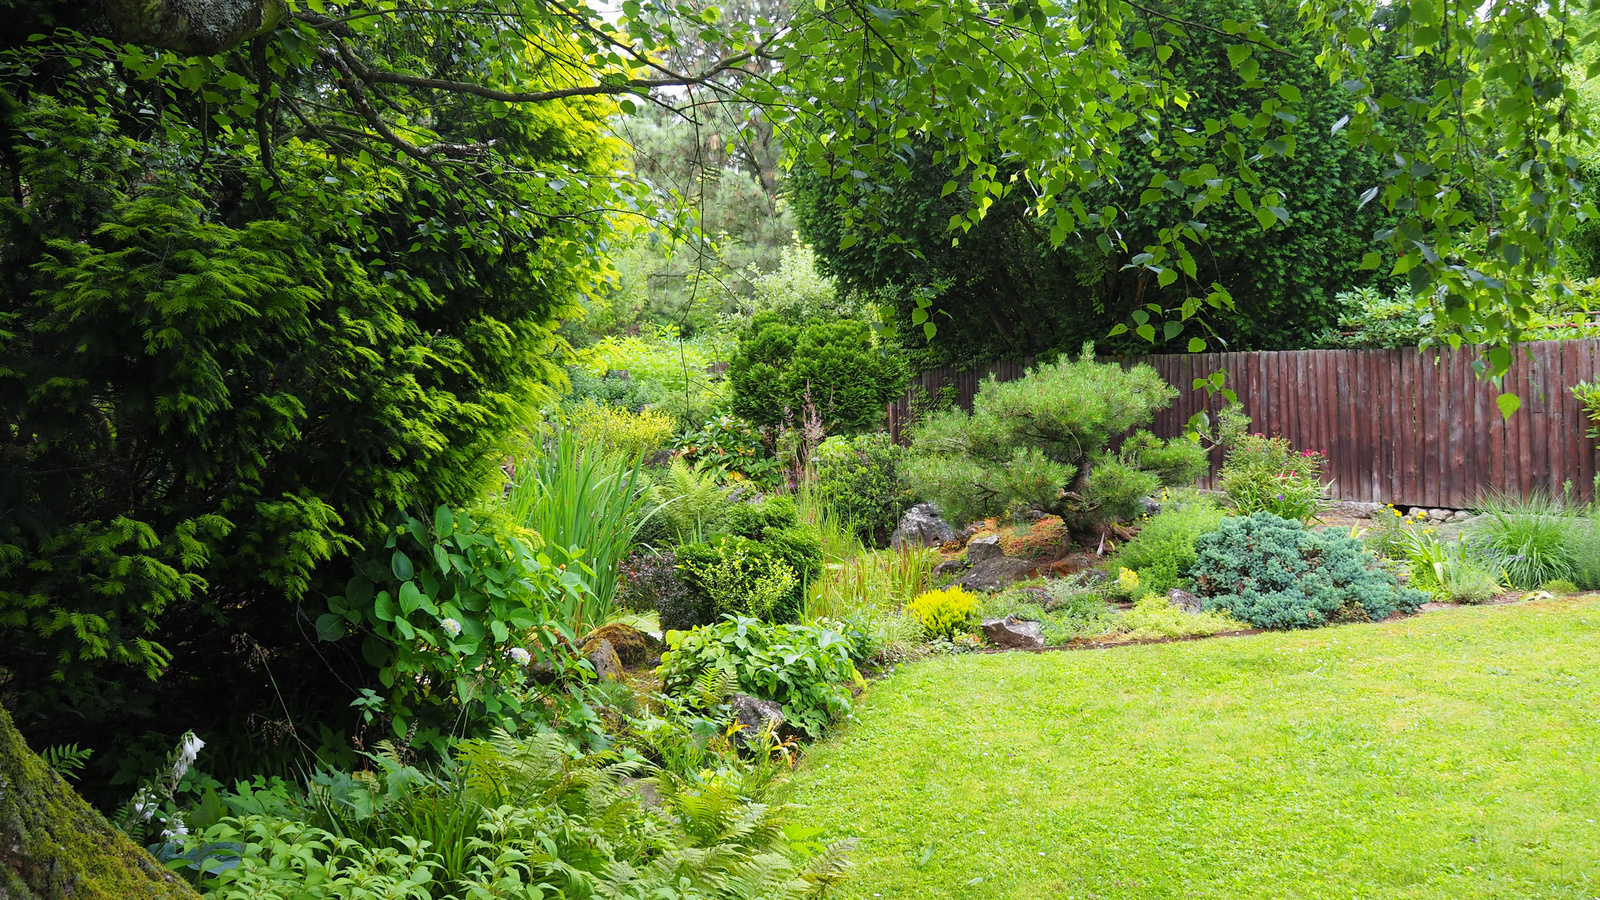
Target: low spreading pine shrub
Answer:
pixel 1273 573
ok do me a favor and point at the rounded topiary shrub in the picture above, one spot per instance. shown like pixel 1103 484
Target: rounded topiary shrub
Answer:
pixel 1273 573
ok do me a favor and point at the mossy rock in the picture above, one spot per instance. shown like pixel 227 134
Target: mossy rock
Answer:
pixel 633 647
pixel 54 846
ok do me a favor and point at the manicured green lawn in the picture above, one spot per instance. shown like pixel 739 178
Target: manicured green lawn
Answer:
pixel 1452 755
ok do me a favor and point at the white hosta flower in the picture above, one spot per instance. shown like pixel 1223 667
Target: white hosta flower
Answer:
pixel 519 656
pixel 144 804
pixel 188 751
pixel 451 627
pixel 175 827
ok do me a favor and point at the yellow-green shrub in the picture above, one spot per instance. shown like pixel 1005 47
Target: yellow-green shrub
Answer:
pixel 615 428
pixel 943 612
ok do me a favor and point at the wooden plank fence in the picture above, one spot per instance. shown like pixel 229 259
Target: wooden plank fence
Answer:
pixel 1414 428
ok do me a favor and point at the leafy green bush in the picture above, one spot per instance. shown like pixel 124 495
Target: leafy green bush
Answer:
pixel 833 365
pixel 631 434
pixel 1526 538
pixel 728 446
pixel 861 479
pixel 450 613
pixel 1273 573
pixel 1042 441
pixel 731 574
pixel 756 518
pixel 945 611
pixel 1372 318
pixel 1164 549
pixel 213 390
pixel 1266 474
pixel 807 670
pixel 800 548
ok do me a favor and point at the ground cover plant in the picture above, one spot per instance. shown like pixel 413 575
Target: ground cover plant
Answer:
pixel 1432 757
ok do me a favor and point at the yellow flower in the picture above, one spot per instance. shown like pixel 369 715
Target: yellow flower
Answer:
pixel 1128 578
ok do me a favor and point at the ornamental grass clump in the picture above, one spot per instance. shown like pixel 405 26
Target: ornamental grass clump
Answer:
pixel 1273 573
pixel 1527 538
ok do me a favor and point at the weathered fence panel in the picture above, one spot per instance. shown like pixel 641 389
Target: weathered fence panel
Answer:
pixel 1415 428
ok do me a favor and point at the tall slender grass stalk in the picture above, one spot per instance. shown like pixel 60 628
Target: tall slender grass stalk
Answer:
pixel 883 580
pixel 587 504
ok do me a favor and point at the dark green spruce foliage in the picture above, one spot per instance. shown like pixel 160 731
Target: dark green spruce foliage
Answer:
pixel 217 375
pixel 1003 292
pixel 861 479
pixel 833 365
pixel 807 670
pixel 1273 573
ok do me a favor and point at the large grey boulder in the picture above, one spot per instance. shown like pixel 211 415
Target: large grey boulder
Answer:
pixel 921 526
pixel 994 574
pixel 756 715
pixel 986 547
pixel 1185 601
pixel 950 567
pixel 1012 633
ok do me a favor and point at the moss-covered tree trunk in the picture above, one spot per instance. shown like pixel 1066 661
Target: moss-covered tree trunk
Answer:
pixel 54 846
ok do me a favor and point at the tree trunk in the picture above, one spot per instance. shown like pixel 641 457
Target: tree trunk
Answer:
pixel 193 27
pixel 54 846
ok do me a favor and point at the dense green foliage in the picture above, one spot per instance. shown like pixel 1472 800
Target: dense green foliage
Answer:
pixel 734 574
pixel 1164 549
pixel 511 817
pixel 1007 290
pixel 807 670
pixel 783 370
pixel 450 614
pixel 1043 442
pixel 863 481
pixel 1273 573
pixel 944 612
pixel 231 347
